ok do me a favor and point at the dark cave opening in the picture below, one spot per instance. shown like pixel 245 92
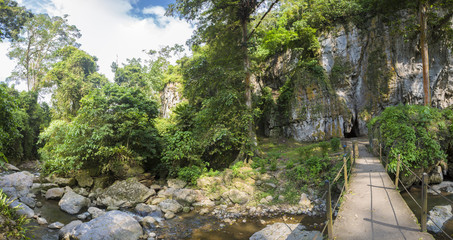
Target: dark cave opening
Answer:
pixel 355 131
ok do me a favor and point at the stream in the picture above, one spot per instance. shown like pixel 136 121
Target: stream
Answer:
pixel 433 200
pixel 184 226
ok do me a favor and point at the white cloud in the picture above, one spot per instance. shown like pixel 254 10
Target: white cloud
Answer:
pixel 111 34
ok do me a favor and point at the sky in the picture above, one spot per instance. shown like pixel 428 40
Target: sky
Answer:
pixel 112 30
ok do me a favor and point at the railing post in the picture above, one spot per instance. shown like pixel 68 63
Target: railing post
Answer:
pixel 353 150
pixel 397 171
pixel 329 211
pixel 380 152
pixel 352 157
pixel 345 162
pixel 355 145
pixel 424 202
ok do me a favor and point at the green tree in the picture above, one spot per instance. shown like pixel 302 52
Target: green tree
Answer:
pixel 31 118
pixel 216 19
pixel 36 46
pixel 73 77
pixel 8 124
pixel 12 19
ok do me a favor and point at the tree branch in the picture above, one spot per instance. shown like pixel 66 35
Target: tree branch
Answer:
pixel 257 25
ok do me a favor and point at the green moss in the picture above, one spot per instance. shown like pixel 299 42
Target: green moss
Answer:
pixel 341 69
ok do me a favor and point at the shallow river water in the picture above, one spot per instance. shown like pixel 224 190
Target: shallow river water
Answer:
pixel 183 226
pixel 433 200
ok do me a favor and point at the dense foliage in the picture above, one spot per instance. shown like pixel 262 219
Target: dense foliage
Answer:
pixel 421 135
pixel 113 130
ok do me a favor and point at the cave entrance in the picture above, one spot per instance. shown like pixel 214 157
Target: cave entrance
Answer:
pixel 355 131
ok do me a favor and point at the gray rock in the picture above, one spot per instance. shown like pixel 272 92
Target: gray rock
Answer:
pixel 186 195
pixel 72 202
pixel 11 167
pixel 170 205
pixel 169 215
pixel 124 193
pixel 42 221
pixel 55 193
pixel 95 212
pixel 83 216
pixel 113 225
pixel 237 196
pixel 278 231
pixel 68 230
pixel 100 182
pixel 29 201
pixel 204 203
pixel 22 209
pixel 176 183
pixel 17 185
pixel 148 222
pixel 56 225
pixel 266 200
pixel 155 187
pixel 438 215
pixel 145 208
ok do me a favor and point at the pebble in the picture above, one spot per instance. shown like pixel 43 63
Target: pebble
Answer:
pixel 42 221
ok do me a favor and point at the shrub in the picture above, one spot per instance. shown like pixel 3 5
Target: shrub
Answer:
pixel 335 144
pixel 190 174
pixel 324 147
pixel 418 133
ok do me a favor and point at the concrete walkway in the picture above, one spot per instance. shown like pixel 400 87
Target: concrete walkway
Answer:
pixel 372 208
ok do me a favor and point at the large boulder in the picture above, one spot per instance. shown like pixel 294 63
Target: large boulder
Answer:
pixel 279 231
pixel 72 202
pixel 187 195
pixel 236 196
pixel 17 185
pixel 438 216
pixel 170 205
pixel 95 212
pixel 436 175
pixel 124 193
pixel 62 182
pixel 114 225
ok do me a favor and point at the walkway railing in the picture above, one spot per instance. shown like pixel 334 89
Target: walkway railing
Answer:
pixel 423 205
pixel 344 171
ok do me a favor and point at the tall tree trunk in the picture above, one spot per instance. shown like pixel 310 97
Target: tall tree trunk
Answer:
pixel 248 88
pixel 424 49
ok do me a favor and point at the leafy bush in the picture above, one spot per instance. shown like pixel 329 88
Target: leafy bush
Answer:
pixel 335 144
pixel 190 174
pixel 8 124
pixel 418 133
pixel 305 151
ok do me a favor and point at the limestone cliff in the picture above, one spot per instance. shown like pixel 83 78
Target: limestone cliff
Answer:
pixel 363 71
pixel 170 96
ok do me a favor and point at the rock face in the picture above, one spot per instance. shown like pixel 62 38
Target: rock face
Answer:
pixel 113 225
pixel 124 193
pixel 282 231
pixel 72 202
pixel 17 185
pixel 438 215
pixel 170 96
pixel 366 70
